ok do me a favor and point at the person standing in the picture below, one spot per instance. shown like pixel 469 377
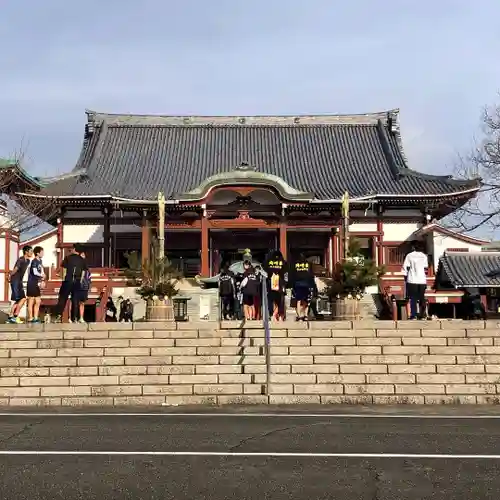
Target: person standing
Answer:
pixel 275 268
pixel 249 287
pixel 16 284
pixel 84 292
pixel 303 281
pixel 73 269
pixel 36 281
pixel 227 292
pixel 415 271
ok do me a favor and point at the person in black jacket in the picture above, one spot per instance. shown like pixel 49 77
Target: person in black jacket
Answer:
pixel 227 292
pixel 302 280
pixel 275 267
pixel 250 287
pixel 73 270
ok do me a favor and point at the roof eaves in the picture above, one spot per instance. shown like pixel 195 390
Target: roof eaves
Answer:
pixel 377 198
pixel 96 119
pixel 97 197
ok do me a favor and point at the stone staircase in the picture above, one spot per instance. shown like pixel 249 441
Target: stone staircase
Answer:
pixel 205 362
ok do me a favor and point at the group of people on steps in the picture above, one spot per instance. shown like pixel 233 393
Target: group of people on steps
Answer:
pixel 76 283
pixel 241 294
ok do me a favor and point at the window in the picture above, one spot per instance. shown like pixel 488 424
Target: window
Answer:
pixel 394 255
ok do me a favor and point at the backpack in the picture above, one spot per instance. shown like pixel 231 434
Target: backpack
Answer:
pixel 252 285
pixel 226 285
pixel 86 281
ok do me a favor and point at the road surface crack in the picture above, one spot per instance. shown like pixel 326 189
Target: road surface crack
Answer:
pixel 377 480
pixel 270 433
pixel 24 430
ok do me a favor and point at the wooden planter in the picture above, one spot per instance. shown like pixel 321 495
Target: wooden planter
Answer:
pixel 160 310
pixel 346 309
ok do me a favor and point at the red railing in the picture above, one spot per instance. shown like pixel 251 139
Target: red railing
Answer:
pixel 102 285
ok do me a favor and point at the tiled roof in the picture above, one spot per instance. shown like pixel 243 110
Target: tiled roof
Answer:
pixel 464 269
pixel 135 156
pixel 435 227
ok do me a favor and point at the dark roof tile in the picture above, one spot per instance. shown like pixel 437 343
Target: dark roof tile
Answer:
pixel 463 269
pixel 136 156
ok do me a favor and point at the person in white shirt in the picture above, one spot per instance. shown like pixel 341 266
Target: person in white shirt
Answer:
pixel 415 271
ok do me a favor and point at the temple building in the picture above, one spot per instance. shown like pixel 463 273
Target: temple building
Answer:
pixel 235 182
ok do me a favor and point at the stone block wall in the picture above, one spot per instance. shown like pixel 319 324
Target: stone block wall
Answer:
pixel 411 362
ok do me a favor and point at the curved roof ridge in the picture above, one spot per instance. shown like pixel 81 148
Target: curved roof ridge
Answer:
pixel 68 175
pixel 448 178
pixel 394 126
pixel 98 118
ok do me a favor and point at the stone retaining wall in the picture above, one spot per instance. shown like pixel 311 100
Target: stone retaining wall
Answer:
pixel 437 362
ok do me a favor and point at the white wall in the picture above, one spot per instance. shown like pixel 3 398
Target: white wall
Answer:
pixel 399 231
pixel 3 264
pixel 441 242
pixel 13 253
pixel 49 250
pixel 362 227
pixel 83 233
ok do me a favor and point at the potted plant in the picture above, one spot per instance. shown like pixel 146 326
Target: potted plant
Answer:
pixel 349 281
pixel 156 281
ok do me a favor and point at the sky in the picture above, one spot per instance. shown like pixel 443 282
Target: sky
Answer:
pixel 435 60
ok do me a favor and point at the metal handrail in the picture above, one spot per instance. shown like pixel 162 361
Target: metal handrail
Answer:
pixel 267 331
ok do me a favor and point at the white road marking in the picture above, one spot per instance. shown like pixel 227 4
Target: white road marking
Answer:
pixel 417 456
pixel 257 415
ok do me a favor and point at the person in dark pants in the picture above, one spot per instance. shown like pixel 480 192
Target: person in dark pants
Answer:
pixel 227 292
pixel 111 311
pixel 36 280
pixel 250 288
pixel 126 311
pixel 16 284
pixel 302 280
pixel 474 308
pixel 313 302
pixel 74 267
pixel 276 270
pixel 415 271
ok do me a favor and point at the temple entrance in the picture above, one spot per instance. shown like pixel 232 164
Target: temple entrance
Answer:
pixel 229 245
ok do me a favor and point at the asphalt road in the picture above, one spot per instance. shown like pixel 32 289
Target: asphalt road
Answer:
pixel 252 453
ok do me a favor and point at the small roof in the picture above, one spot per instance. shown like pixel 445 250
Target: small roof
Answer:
pixel 438 228
pixel 313 156
pixel 466 269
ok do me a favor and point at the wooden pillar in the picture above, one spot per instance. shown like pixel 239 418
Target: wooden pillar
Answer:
pixel 205 257
pixel 283 228
pixel 340 239
pixel 146 238
pixel 333 246
pixel 380 240
pixel 107 238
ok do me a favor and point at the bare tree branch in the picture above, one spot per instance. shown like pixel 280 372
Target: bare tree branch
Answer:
pixel 482 162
